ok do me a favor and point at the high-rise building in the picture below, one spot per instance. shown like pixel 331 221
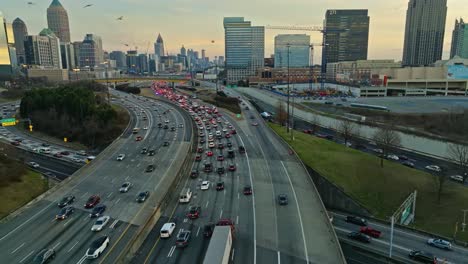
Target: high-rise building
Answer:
pixel 244 48
pixel 132 61
pixel 43 50
pixel 20 31
pixel 11 44
pixel 221 60
pixel 299 51
pixel 142 63
pixel 346 35
pixel 5 60
pixel 119 58
pixel 91 53
pixel 76 49
pixel 424 32
pixel 68 56
pixel 203 54
pixel 183 51
pixel 159 46
pixel 459 40
pixel 57 20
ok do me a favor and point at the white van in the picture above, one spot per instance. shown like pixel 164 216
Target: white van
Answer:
pixel 167 229
pixel 185 195
pixel 45 150
pixel 218 133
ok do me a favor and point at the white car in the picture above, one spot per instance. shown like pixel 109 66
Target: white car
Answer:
pixel 121 157
pixel 125 187
pixel 167 229
pixel 167 121
pixel 433 168
pixel 97 247
pixel 211 145
pixel 145 128
pixel 393 157
pixel 224 130
pixel 457 178
pixel 440 243
pixel 205 185
pixel 101 222
pixel 34 164
pixel 181 125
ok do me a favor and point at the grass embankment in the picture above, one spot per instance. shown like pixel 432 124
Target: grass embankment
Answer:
pixel 382 190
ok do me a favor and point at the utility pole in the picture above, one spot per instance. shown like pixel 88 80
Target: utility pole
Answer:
pixel 288 120
pixel 464 220
pixel 292 119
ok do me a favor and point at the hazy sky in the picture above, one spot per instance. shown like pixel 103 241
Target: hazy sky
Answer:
pixel 195 23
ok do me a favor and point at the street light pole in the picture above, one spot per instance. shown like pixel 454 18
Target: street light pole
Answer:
pixel 288 121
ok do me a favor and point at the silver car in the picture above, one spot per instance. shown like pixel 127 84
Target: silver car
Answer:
pixel 125 187
pixel 440 243
pixel 121 157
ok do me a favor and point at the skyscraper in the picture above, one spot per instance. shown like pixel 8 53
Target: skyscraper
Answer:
pixel 119 58
pixel 20 31
pixel 5 60
pixel 68 56
pixel 91 53
pixel 159 46
pixel 299 51
pixel 183 51
pixel 43 50
pixel 424 32
pixel 346 36
pixel 203 54
pixel 459 40
pixel 244 48
pixel 57 20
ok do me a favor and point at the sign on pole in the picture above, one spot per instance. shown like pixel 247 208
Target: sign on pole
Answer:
pixel 8 121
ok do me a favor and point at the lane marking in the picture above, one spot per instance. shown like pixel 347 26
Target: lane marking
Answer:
pixel 114 223
pixel 299 213
pixel 198 231
pixel 82 259
pixel 238 195
pixel 27 256
pixel 233 252
pixel 56 245
pixel 279 258
pixel 237 220
pixel 84 194
pixel 221 214
pixel 16 249
pixel 208 202
pixel 169 255
pixel 109 195
pixel 117 201
pixel 72 247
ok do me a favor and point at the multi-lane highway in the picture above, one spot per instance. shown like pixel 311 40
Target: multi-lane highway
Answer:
pixel 36 228
pixel 265 232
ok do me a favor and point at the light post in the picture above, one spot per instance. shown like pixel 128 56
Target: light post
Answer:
pixel 288 117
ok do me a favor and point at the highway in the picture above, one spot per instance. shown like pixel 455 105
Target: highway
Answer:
pixel 403 241
pixel 265 232
pixel 35 227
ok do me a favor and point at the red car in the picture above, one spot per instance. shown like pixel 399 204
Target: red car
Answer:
pixel 232 167
pixel 209 153
pixel 307 131
pixel 15 143
pixel 92 201
pixel 58 155
pixel 226 222
pixel 65 153
pixel 139 138
pixel 227 136
pixel 200 150
pixel 233 132
pixel 247 190
pixel 220 158
pixel 194 212
pixel 198 158
pixel 220 186
pixel 370 231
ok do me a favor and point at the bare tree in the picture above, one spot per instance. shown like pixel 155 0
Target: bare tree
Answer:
pixel 281 114
pixel 440 179
pixel 346 129
pixel 315 123
pixel 459 154
pixel 386 138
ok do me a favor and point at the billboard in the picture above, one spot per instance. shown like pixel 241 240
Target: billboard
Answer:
pixel 457 72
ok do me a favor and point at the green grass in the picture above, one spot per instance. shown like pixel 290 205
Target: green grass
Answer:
pixel 18 194
pixel 382 190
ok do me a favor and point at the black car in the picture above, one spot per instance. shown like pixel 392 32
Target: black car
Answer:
pixel 231 154
pixel 208 167
pixel 44 256
pixel 142 196
pixel 159 125
pixel 67 200
pixel 229 144
pixel 183 239
pixel 220 170
pixel 166 143
pixel 172 128
pixel 150 168
pixel 282 199
pixel 144 151
pixel 241 149
pixel 65 213
pixel 151 152
pixel 359 237
pixel 422 256
pixel 356 220
pixel 220 186
pixel 97 211
pixel 194 174
pixel 408 164
pixel 166 127
pixel 208 229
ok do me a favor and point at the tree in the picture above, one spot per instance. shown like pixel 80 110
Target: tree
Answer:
pixel 440 178
pixel 459 154
pixel 314 123
pixel 281 114
pixel 386 138
pixel 346 129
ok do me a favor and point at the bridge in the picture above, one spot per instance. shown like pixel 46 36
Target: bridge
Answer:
pixel 175 79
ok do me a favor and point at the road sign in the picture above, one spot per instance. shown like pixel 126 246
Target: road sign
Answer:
pixel 238 116
pixel 8 120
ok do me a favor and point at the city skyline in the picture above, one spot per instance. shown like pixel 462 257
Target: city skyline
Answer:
pixel 387 22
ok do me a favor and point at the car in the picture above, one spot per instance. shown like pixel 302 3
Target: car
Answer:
pixel 150 168
pixel 359 237
pixel 378 150
pixel 254 124
pixel 65 153
pixel 370 231
pixel 211 145
pixel 422 256
pixel 392 157
pixel 209 153
pixel 241 149
pixel 125 187
pixel 142 196
pixel 282 199
pixel 205 185
pixel 433 168
pixel 145 128
pixel 120 157
pixel 100 223
pixel 231 154
pixel 92 201
pixel 457 178
pixel 183 238
pixel 139 138
pixel 220 146
pixel 220 186
pixel 220 157
pixel 194 174
pixel 58 155
pixel 198 158
pixel 201 134
pixel 208 167
pixel 202 140
pixel 232 167
pixel 181 125
pixel 44 256
pixel 166 143
pixel 226 222
pixel 97 247
pixel 308 131
pixel 33 164
pixel 227 136
pixel 65 201
pixel 65 213
pixel 220 170
pixel 97 211
pixel 408 163
pixel 208 230
pixel 439 243
pixel 229 145
pixel 403 157
pixel 165 127
pixel 160 125
pixel 200 149
pixel 194 212
pixel 233 132
pixel 356 220
pixel 247 190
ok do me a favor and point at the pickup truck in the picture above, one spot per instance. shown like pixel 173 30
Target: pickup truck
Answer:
pixel 370 231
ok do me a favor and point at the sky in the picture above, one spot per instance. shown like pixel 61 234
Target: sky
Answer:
pixel 196 23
